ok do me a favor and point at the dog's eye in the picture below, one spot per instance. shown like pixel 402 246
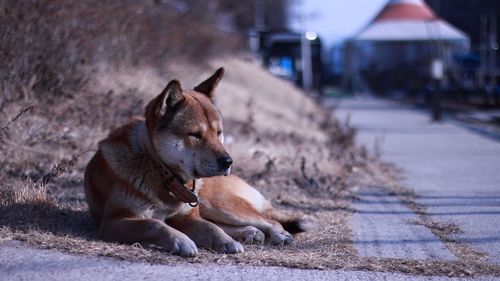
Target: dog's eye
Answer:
pixel 196 135
pixel 219 133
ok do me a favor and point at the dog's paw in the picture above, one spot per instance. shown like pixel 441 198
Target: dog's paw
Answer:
pixel 228 247
pixel 251 235
pixel 280 238
pixel 182 246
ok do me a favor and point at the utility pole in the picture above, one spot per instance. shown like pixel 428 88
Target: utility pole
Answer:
pixel 482 50
pixel 259 19
pixel 493 47
pixel 436 70
pixel 305 52
pixel 306 62
pixel 255 36
pixel 437 76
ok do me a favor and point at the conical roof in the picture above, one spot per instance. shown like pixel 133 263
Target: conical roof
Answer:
pixel 408 20
pixel 405 10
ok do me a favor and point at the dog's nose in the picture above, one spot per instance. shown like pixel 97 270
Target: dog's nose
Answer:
pixel 225 162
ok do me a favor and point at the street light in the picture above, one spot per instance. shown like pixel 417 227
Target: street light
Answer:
pixel 306 39
pixel 311 35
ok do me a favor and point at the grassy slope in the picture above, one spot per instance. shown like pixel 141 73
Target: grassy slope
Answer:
pixel 273 132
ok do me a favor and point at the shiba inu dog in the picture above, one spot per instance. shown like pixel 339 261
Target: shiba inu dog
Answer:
pixel 164 179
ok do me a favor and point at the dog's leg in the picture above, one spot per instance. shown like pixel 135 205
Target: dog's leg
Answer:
pixel 205 234
pixel 246 234
pixel 231 201
pixel 273 230
pixel 242 216
pixel 131 230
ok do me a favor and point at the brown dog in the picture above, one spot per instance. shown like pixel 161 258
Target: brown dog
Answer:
pixel 144 183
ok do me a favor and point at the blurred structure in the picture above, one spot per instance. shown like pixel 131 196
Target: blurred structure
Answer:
pixel 481 65
pixel 294 56
pixel 282 51
pixel 395 53
pixel 251 14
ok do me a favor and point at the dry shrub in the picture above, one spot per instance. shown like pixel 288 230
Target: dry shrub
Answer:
pixel 48 46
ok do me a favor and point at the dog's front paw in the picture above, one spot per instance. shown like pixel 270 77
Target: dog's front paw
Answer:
pixel 182 246
pixel 280 238
pixel 228 247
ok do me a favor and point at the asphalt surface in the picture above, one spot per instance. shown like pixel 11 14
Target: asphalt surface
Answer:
pixel 455 172
pixel 384 227
pixel 18 262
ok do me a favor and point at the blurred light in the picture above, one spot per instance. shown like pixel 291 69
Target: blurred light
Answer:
pixel 494 45
pixel 311 35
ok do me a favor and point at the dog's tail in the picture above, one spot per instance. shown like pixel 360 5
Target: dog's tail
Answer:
pixel 298 225
pixel 292 224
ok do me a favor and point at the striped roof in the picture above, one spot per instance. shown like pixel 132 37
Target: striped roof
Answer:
pixel 408 20
pixel 405 10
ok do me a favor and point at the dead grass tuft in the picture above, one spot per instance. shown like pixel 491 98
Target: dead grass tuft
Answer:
pixel 29 207
pixel 26 193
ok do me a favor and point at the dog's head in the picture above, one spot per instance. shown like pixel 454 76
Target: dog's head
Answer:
pixel 185 128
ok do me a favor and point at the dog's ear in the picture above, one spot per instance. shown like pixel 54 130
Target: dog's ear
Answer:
pixel 169 97
pixel 207 87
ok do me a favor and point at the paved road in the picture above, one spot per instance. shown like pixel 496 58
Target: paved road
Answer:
pixel 455 172
pixel 18 262
pixel 384 227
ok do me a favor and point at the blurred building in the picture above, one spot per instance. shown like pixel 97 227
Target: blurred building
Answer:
pixel 467 16
pixel 480 20
pixel 281 53
pixel 395 51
